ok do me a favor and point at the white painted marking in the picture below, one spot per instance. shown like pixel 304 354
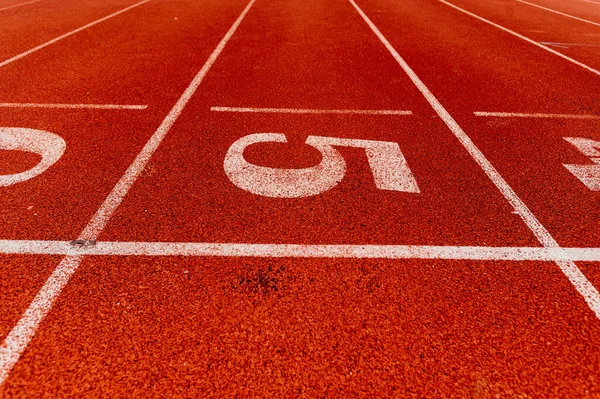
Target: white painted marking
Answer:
pixel 59 38
pixel 548 49
pixel 389 167
pixel 525 115
pixel 588 147
pixel 24 247
pixel 73 106
pixel 282 183
pixel 18 5
pixel 312 111
pixel 20 336
pixel 554 45
pixel 575 276
pixel 567 45
pixel 48 145
pixel 589 175
pixel 591 1
pixel 559 13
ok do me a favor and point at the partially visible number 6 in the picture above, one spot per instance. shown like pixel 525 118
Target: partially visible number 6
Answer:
pixel 48 145
pixel 389 167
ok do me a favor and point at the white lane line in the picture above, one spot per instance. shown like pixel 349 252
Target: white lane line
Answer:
pixel 119 248
pixel 575 276
pixel 525 115
pixel 18 5
pixel 48 43
pixel 559 13
pixel 20 336
pixel 73 106
pixel 313 111
pixel 591 1
pixel 548 49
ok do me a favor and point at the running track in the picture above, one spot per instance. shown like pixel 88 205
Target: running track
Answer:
pixel 170 248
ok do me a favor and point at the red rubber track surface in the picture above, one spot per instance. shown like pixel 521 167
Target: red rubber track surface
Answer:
pixel 30 25
pixel 22 278
pixel 227 327
pixel 580 38
pixel 295 328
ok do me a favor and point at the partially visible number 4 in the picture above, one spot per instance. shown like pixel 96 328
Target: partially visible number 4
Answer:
pixel 587 174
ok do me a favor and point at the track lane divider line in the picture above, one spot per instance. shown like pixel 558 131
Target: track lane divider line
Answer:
pixel 559 13
pixel 73 106
pixel 19 337
pixel 59 38
pixel 19 5
pixel 199 249
pixel 575 276
pixel 548 49
pixel 525 115
pixel 311 111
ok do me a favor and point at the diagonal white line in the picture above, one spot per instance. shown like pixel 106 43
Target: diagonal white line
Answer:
pixel 449 252
pixel 559 13
pixel 18 5
pixel 548 49
pixel 73 106
pixel 312 111
pixel 59 38
pixel 20 336
pixel 575 276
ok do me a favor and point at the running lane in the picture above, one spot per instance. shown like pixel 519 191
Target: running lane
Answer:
pixel 163 44
pixel 574 38
pixel 471 67
pixel 30 25
pixel 293 327
pixel 584 9
pixel 149 63
pixel 318 57
pixel 491 71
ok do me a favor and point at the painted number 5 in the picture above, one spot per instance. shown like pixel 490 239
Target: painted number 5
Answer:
pixel 390 170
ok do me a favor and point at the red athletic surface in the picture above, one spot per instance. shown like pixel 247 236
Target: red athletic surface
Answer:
pixel 289 328
pixel 210 327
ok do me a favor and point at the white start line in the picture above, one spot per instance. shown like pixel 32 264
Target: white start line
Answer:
pixel 75 106
pixel 535 115
pixel 191 249
pixel 312 111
